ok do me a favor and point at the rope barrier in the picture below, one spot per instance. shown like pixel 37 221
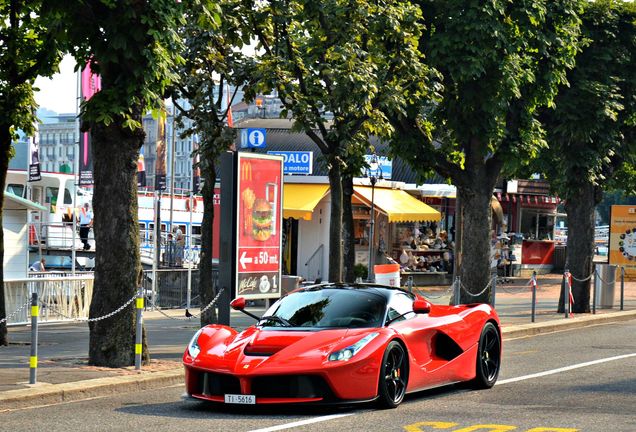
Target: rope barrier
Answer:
pixel 443 294
pixel 189 315
pixel 462 286
pixel 581 280
pixel 17 311
pixel 113 313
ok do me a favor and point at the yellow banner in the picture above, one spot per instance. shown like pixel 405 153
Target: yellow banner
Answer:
pixel 622 239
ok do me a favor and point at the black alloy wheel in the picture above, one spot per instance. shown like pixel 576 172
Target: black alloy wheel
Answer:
pixel 488 357
pixel 393 376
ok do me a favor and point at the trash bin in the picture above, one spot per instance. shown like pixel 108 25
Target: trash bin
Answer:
pixel 288 284
pixel 604 283
pixel 558 258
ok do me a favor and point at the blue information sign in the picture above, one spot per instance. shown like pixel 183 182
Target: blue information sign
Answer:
pixel 253 138
pixel 296 162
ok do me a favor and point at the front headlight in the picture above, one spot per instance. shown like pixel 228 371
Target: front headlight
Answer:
pixel 348 352
pixel 193 346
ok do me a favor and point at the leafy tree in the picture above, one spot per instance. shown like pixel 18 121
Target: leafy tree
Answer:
pixel 335 65
pixel 132 45
pixel 28 49
pixel 499 62
pixel 213 36
pixel 592 131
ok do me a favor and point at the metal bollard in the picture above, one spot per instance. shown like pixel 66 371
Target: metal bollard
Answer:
pixel 139 331
pixel 409 283
pixel 566 297
pixel 622 287
pixel 534 295
pixel 594 291
pixel 33 359
pixel 494 290
pixel 458 290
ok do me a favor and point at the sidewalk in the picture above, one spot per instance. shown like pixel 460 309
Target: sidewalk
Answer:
pixel 63 373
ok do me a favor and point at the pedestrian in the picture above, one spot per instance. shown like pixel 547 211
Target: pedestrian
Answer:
pixel 180 245
pixel 86 222
pixel 38 266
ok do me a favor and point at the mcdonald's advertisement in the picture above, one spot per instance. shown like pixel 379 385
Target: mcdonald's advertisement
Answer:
pixel 259 236
pixel 622 238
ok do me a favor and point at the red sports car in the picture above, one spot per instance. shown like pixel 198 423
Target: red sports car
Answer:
pixel 339 343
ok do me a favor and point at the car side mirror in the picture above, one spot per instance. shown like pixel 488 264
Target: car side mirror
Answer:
pixel 238 303
pixel 421 306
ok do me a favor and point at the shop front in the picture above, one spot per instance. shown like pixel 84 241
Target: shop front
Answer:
pixel 406 232
pixel 530 223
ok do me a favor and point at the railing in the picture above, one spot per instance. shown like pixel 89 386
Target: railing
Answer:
pixel 315 264
pixel 62 297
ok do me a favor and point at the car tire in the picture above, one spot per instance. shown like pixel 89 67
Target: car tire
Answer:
pixel 488 357
pixel 393 376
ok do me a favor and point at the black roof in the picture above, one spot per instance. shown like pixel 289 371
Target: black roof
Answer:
pixel 280 137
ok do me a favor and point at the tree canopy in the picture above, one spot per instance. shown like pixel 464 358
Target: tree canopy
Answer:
pixel 133 46
pixel 499 62
pixel 29 48
pixel 592 129
pixel 334 65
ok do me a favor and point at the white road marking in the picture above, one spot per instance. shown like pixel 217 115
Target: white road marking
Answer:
pixel 301 423
pixel 564 369
pixel 506 381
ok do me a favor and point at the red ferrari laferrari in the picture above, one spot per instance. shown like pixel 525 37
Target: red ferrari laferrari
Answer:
pixel 339 343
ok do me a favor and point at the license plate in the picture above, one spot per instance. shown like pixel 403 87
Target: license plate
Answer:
pixel 240 399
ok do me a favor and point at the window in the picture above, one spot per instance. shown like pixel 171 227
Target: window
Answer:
pixel 196 235
pixel 400 307
pixel 16 189
pixel 51 195
pixel 68 199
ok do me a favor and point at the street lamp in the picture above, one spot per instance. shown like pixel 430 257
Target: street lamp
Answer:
pixel 374 173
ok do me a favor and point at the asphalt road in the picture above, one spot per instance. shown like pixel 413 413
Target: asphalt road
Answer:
pixel 578 380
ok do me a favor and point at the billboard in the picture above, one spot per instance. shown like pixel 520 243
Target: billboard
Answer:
pixel 34 156
pixel 259 225
pixel 622 238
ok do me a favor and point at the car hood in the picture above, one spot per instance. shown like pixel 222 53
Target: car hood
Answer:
pixel 264 350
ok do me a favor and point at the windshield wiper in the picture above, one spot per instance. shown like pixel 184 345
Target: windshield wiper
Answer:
pixel 277 319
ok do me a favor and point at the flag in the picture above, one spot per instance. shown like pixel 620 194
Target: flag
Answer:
pixel 230 120
pixel 141 169
pixel 196 171
pixel 160 164
pixel 34 155
pixel 90 84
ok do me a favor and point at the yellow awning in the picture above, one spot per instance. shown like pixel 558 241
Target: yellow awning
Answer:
pixel 300 199
pixel 398 205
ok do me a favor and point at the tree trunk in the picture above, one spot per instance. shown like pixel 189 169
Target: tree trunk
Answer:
pixel 475 265
pixel 117 255
pixel 580 246
pixel 207 287
pixel 348 230
pixel 335 227
pixel 5 146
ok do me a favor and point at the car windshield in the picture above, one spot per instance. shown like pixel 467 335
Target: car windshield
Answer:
pixel 328 308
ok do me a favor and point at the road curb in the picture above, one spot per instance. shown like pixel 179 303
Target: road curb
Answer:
pixel 586 320
pixel 46 394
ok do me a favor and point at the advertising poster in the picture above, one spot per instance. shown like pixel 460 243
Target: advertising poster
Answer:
pixel 91 84
pixel 259 236
pixel 622 238
pixel 196 171
pixel 34 156
pixel 141 169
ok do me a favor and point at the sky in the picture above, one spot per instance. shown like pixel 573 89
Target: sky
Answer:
pixel 59 93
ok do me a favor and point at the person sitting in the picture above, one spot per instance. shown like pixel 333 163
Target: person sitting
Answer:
pixel 38 266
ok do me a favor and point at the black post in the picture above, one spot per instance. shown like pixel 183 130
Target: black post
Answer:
pixel 596 283
pixel 566 294
pixel 227 237
pixel 534 295
pixel 622 287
